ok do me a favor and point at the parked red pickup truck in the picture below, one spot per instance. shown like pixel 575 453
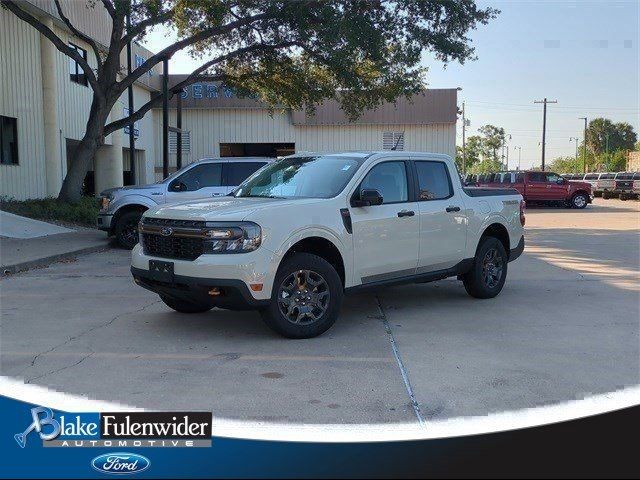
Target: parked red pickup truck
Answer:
pixel 542 187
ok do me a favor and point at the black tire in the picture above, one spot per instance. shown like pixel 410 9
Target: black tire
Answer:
pixel 325 298
pixel 606 195
pixel 126 229
pixel 579 201
pixel 475 280
pixel 184 306
pixel 623 197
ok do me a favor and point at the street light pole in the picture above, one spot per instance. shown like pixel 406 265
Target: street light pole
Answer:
pixel 584 146
pixel 575 139
pixel 519 154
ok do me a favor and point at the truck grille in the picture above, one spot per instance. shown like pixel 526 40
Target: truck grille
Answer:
pixel 181 248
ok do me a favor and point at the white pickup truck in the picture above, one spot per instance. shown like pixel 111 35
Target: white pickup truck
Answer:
pixel 305 230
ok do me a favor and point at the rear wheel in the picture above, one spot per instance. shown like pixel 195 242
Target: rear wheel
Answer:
pixel 606 195
pixel 127 229
pixel 306 298
pixel 184 306
pixel 489 271
pixel 579 200
pixel 623 197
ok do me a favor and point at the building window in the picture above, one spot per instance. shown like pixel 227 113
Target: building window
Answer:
pixel 393 139
pixel 76 73
pixel 8 141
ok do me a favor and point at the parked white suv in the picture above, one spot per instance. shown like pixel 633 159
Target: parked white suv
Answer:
pixel 121 208
pixel 306 229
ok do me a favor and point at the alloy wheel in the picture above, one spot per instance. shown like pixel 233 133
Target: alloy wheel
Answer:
pixel 303 297
pixel 492 266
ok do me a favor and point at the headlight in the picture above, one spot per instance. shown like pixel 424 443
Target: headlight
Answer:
pixel 104 202
pixel 225 237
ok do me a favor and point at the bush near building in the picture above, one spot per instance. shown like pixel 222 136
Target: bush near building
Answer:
pixel 82 213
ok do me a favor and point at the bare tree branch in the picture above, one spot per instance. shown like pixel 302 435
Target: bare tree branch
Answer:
pixel 169 51
pixel 57 41
pixel 78 33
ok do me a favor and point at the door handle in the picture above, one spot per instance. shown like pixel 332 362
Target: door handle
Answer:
pixel 452 208
pixel 406 213
pixel 216 194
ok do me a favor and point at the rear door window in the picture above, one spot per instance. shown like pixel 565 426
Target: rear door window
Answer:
pixel 237 172
pixel 537 177
pixel 433 181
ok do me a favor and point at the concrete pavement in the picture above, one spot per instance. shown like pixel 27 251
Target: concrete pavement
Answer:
pixel 566 326
pixel 27 243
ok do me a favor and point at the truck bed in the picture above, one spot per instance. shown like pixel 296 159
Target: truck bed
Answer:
pixel 489 192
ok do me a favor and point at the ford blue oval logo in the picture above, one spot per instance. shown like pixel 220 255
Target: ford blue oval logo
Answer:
pixel 120 463
pixel 166 231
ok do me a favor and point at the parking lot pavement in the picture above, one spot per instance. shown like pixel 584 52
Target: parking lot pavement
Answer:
pixel 565 326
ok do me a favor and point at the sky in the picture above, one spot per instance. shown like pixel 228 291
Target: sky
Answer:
pixel 584 54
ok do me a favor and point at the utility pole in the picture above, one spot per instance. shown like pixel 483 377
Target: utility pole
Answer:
pixel 132 138
pixel 519 155
pixel 584 146
pixel 544 124
pixel 464 145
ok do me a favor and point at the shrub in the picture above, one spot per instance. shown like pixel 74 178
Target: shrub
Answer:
pixel 83 213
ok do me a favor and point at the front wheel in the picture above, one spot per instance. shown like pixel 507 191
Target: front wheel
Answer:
pixel 623 197
pixel 306 298
pixel 127 229
pixel 579 200
pixel 184 306
pixel 489 271
pixel 606 195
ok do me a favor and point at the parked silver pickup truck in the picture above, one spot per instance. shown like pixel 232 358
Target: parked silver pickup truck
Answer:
pixel 121 208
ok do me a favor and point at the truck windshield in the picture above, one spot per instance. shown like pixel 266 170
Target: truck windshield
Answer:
pixel 301 177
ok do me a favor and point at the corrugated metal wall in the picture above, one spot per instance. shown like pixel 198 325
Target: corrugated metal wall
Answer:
pixel 21 97
pixel 209 128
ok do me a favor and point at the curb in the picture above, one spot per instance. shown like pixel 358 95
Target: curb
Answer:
pixel 43 262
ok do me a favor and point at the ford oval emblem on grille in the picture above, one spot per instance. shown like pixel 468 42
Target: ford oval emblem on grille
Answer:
pixel 166 231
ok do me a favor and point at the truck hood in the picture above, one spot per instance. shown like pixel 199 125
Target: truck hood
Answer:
pixel 126 190
pixel 581 184
pixel 224 208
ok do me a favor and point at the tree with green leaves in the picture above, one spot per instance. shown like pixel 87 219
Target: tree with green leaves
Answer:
pixel 566 165
pixel 604 136
pixel 487 165
pixel 493 141
pixel 473 152
pixel 290 54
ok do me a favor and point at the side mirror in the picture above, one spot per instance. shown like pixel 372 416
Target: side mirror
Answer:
pixel 368 197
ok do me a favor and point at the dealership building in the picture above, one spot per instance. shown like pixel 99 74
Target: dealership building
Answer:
pixel 45 100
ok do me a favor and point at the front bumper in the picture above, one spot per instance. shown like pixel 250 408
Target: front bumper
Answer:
pixel 233 294
pixel 250 269
pixel 104 221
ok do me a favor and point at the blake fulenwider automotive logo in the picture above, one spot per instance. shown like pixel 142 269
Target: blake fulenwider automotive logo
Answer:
pixel 117 429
